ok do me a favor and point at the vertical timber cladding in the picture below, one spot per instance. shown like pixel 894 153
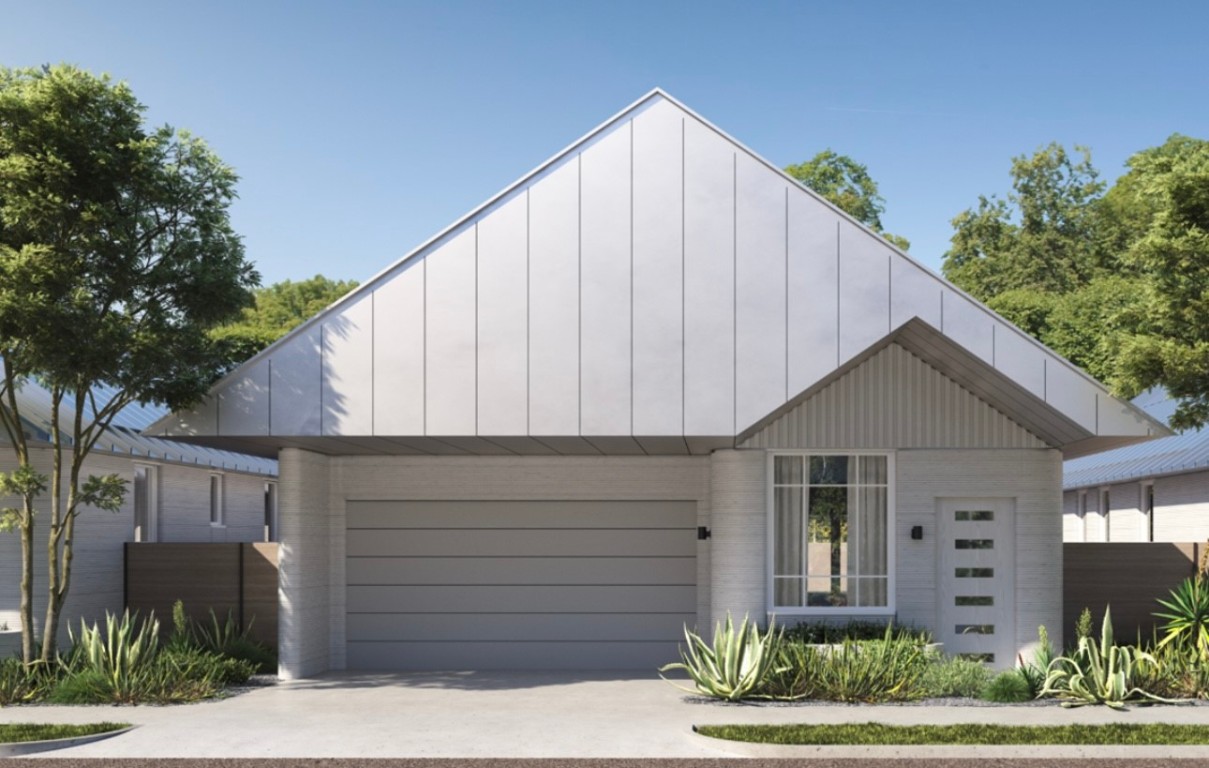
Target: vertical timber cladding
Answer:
pixel 445 585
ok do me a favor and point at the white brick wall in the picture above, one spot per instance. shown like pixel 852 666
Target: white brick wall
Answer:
pixel 1182 507
pixel 305 570
pixel 738 492
pixel 184 505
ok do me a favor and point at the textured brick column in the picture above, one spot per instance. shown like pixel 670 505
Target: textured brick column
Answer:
pixel 304 594
pixel 738 547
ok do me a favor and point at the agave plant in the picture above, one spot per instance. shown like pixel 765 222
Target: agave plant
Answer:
pixel 1187 616
pixel 121 653
pixel 735 666
pixel 1100 673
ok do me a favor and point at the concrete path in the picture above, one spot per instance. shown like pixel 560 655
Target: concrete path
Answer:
pixel 530 715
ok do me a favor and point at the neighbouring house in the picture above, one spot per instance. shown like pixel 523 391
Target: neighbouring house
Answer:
pixel 1153 491
pixel 176 492
pixel 654 382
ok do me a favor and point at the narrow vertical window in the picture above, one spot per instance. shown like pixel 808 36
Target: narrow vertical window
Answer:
pixel 140 504
pixel 1104 514
pixel 216 511
pixel 1148 508
pixel 270 511
pixel 1083 513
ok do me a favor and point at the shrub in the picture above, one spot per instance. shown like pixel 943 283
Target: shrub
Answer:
pixel 952 676
pixel 735 667
pixel 121 655
pixel 1034 672
pixel 227 639
pixel 1187 616
pixel 1008 687
pixel 1177 673
pixel 1100 673
pixel 825 633
pixel 20 683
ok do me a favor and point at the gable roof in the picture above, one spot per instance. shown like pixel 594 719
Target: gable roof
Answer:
pixel 654 287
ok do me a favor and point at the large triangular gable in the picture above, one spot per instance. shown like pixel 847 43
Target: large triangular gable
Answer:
pixel 655 287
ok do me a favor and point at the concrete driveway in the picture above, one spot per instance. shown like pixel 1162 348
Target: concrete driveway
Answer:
pixel 523 715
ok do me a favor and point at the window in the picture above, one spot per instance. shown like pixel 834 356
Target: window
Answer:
pixel 146 502
pixel 1148 510
pixel 216 510
pixel 1104 512
pixel 270 511
pixel 831 523
pixel 1083 513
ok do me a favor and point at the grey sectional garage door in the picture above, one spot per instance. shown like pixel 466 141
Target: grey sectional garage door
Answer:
pixel 519 584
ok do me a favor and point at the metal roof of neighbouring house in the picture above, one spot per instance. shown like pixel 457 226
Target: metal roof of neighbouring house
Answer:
pixel 1184 452
pixel 655 288
pixel 125 434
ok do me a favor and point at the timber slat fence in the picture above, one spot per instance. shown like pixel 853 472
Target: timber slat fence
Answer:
pixel 237 578
pixel 1129 577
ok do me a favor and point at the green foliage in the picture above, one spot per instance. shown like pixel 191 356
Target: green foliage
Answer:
pixel 1083 625
pixel 225 638
pixel 952 676
pixel 1187 616
pixel 1043 237
pixel 116 258
pixel 846 184
pixel 1171 347
pixel 26 483
pixel 1100 673
pixel 1158 734
pixel 1007 687
pixel 868 671
pixel 15 733
pixel 735 666
pixel 827 633
pixel 1178 673
pixel 21 683
pixel 277 310
pixel 117 656
pixel 1034 670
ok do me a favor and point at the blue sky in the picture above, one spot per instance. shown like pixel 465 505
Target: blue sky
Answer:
pixel 362 128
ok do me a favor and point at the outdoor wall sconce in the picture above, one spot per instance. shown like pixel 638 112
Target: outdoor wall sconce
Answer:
pixel 703 533
pixel 917 532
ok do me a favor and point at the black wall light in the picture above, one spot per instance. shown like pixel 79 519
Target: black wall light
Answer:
pixel 703 533
pixel 917 532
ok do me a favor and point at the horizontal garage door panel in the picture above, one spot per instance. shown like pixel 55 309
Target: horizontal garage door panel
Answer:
pixel 578 627
pixel 519 543
pixel 518 585
pixel 521 514
pixel 510 599
pixel 522 655
pixel 404 571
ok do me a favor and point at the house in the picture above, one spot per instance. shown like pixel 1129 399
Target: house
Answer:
pixel 656 381
pixel 176 492
pixel 1154 491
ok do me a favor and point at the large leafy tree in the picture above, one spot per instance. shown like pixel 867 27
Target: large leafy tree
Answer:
pixel 1165 203
pixel 1045 236
pixel 847 185
pixel 278 309
pixel 116 259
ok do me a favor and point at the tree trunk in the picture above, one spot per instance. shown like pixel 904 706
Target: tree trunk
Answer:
pixel 54 539
pixel 27 581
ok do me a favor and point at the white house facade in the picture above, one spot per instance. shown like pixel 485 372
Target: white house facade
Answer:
pixel 653 382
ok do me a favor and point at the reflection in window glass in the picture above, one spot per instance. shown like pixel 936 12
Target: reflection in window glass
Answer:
pixel 974 543
pixel 830 531
pixel 972 600
pixel 975 573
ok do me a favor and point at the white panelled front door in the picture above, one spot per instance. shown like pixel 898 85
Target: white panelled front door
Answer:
pixel 977 579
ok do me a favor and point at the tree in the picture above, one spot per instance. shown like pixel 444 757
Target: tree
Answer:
pixel 1167 192
pixel 277 310
pixel 1047 236
pixel 116 258
pixel 847 185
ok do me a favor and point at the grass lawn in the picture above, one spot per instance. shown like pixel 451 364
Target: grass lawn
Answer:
pixel 11 733
pixel 966 733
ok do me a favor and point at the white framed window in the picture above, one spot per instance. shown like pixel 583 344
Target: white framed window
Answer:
pixel 270 511
pixel 216 501
pixel 146 502
pixel 1083 513
pixel 1146 504
pixel 831 524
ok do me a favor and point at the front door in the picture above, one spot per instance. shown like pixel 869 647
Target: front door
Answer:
pixel 977 585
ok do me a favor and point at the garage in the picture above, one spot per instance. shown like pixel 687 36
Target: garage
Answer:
pixel 452 585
